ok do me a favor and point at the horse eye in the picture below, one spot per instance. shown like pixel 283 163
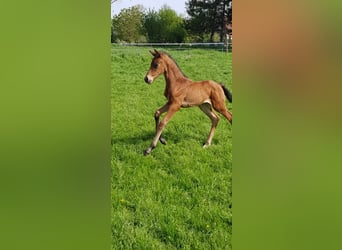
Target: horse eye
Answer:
pixel 154 65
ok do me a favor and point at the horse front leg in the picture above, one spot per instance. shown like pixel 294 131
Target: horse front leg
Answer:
pixel 157 115
pixel 160 128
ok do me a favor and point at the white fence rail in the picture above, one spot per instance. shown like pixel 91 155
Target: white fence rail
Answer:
pixel 182 46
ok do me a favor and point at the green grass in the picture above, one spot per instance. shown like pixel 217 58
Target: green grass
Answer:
pixel 180 196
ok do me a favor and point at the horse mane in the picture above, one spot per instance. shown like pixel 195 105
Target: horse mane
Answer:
pixel 167 54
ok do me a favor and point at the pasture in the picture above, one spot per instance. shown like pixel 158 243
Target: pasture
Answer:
pixel 180 196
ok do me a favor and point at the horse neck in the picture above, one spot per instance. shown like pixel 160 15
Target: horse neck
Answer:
pixel 173 74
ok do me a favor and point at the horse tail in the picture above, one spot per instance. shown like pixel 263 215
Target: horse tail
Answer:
pixel 227 93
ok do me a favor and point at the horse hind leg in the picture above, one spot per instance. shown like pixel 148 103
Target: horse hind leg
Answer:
pixel 227 114
pixel 207 109
pixel 222 109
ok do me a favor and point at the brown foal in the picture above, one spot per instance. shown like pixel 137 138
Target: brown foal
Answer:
pixel 181 92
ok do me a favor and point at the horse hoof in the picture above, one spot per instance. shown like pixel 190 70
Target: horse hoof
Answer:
pixel 162 140
pixel 206 145
pixel 147 152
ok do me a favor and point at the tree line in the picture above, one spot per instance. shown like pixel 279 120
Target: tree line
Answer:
pixel 206 21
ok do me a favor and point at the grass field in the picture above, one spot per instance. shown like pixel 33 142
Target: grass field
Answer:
pixel 180 196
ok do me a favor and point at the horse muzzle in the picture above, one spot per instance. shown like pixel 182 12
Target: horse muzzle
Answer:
pixel 148 80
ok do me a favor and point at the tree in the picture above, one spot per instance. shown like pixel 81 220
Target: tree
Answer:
pixel 172 25
pixel 127 25
pixel 208 17
pixel 152 26
pixel 164 26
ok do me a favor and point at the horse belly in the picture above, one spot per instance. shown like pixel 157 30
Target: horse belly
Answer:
pixel 190 103
pixel 187 104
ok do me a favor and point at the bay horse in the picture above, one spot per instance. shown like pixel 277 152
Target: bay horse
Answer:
pixel 182 92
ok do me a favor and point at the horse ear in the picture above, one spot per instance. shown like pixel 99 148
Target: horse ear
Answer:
pixel 155 53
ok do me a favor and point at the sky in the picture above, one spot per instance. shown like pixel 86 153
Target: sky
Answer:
pixel 176 5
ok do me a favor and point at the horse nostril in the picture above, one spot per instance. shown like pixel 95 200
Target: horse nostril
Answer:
pixel 146 79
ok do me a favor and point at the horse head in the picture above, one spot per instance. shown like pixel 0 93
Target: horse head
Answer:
pixel 157 67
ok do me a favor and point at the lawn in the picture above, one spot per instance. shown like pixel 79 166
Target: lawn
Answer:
pixel 180 196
